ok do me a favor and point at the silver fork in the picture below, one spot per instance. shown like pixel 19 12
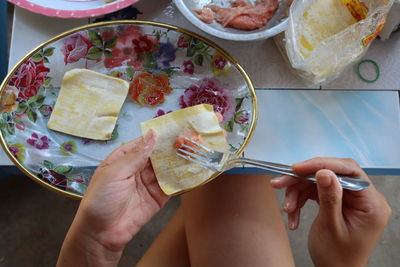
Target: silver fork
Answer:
pixel 219 161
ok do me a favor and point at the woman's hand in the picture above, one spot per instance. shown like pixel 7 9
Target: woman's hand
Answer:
pixel 122 196
pixel 348 224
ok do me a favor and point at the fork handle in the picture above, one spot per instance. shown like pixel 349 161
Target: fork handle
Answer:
pixel 354 183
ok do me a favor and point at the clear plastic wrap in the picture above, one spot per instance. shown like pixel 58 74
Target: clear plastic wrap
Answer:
pixel 328 56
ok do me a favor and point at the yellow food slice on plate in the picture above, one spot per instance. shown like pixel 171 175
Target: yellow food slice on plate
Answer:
pixel 88 104
pixel 175 174
pixel 321 20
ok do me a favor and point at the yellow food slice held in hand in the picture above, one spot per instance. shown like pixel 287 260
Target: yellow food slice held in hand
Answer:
pixel 88 104
pixel 175 174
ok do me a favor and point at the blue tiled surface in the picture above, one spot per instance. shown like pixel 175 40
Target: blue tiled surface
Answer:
pixel 297 125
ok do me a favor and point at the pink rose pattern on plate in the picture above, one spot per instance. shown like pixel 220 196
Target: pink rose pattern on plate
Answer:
pixel 120 51
pixel 75 47
pixel 210 91
pixel 123 51
pixel 29 78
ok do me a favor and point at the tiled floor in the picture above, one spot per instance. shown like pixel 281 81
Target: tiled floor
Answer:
pixel 34 221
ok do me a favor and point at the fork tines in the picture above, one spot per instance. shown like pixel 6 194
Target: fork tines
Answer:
pixel 191 156
pixel 209 150
pixel 195 154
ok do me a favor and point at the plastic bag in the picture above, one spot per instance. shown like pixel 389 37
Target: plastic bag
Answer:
pixel 320 46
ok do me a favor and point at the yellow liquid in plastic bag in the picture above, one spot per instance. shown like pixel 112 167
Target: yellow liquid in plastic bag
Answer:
pixel 357 9
pixel 321 20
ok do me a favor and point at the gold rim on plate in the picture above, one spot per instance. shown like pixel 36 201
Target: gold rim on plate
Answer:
pixel 139 22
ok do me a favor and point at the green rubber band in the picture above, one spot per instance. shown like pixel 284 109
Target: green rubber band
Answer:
pixel 376 70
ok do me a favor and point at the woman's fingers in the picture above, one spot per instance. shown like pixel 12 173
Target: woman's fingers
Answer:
pixel 330 195
pixel 284 181
pixel 293 194
pixel 294 219
pixel 126 148
pixel 338 166
pixel 120 152
pixel 133 161
pixel 302 192
pixel 149 180
pixel 136 159
pixel 297 193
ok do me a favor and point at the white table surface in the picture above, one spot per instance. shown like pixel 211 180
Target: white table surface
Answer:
pixel 267 69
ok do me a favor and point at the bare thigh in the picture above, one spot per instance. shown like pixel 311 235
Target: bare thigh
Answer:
pixel 170 246
pixel 235 221
pixel 231 221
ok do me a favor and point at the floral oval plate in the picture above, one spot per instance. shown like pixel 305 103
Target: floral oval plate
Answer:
pixel 196 70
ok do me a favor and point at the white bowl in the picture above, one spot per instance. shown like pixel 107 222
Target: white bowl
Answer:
pixel 276 25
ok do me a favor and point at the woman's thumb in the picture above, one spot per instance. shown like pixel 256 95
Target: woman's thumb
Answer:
pixel 136 159
pixel 330 194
